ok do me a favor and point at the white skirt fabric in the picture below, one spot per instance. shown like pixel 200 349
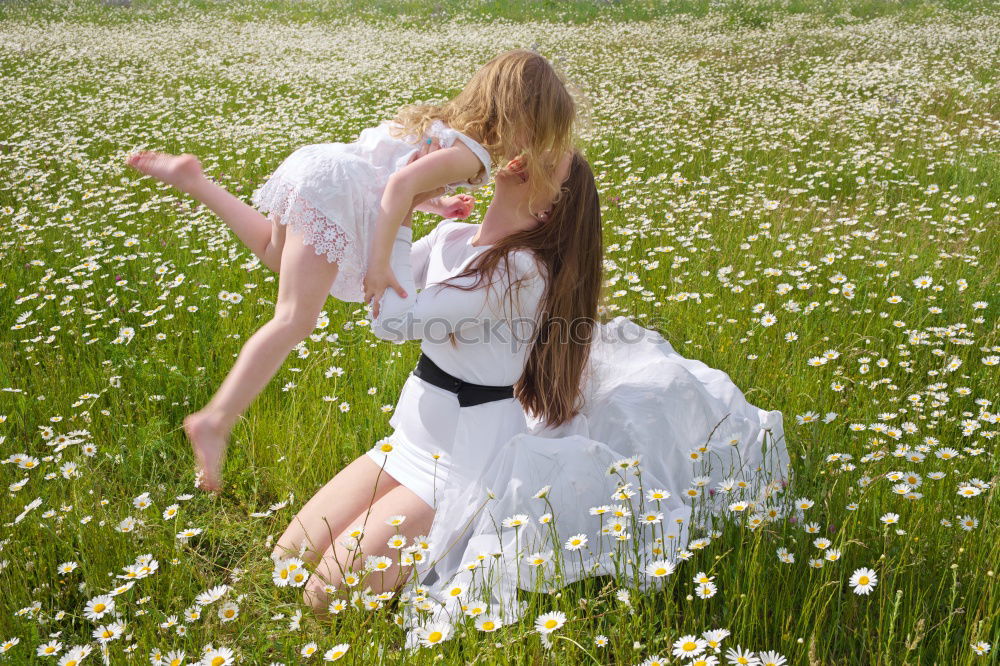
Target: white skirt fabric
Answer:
pixel 413 467
pixel 658 434
pixel 329 193
pixel 424 431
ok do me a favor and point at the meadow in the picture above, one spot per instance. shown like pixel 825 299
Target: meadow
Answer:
pixel 802 194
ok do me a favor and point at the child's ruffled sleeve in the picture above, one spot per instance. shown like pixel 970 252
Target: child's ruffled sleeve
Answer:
pixel 447 137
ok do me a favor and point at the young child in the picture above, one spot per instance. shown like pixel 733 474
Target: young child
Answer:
pixel 336 208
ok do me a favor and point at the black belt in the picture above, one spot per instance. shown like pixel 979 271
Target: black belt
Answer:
pixel 468 394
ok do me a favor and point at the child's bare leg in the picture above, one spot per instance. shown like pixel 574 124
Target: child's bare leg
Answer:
pixel 184 172
pixel 272 253
pixel 303 286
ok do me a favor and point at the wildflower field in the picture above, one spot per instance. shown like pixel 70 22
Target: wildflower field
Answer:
pixel 802 194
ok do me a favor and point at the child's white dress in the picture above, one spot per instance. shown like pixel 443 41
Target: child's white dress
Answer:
pixel 330 193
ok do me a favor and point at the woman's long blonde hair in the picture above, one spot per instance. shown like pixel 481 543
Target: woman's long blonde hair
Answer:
pixel 570 249
pixel 517 104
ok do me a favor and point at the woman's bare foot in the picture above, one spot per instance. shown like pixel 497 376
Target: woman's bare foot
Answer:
pixel 181 171
pixel 208 437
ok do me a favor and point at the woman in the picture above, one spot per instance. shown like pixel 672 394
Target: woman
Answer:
pixel 425 417
pixel 531 405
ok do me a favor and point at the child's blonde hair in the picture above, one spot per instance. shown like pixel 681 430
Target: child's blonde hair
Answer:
pixel 517 104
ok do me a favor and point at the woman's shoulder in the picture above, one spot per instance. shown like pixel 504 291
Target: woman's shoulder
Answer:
pixel 445 230
pixel 528 264
pixel 452 224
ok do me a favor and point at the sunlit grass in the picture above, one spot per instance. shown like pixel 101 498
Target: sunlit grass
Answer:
pixel 842 153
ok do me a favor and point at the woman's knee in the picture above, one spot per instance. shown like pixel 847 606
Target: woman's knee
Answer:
pixel 283 549
pixel 315 593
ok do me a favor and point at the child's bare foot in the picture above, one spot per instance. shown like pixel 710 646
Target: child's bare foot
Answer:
pixel 181 171
pixel 208 441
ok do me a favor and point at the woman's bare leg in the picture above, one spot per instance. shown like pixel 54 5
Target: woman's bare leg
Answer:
pixel 184 172
pixel 303 285
pixel 352 492
pixel 400 500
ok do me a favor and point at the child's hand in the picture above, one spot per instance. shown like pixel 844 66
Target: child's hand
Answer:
pixel 377 279
pixel 458 206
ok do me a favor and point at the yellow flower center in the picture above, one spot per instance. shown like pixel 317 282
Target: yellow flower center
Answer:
pixel 863 580
pixel 689 646
pixel 218 661
pixel 98 608
pixel 338 654
pixel 488 626
pixel 550 624
pixel 434 636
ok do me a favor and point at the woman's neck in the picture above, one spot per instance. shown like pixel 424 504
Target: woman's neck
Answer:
pixel 500 221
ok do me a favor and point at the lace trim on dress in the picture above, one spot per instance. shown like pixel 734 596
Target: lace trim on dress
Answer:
pixel 283 200
pixel 285 205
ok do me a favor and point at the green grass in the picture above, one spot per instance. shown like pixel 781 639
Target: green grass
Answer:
pixel 733 13
pixel 787 102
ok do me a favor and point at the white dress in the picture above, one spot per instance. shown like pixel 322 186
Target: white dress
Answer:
pixel 643 402
pixel 330 193
pixel 426 417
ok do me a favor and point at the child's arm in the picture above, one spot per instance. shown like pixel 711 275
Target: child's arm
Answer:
pixel 457 206
pixel 430 172
pixel 432 206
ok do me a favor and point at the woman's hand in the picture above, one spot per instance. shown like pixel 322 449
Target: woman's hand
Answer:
pixel 377 279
